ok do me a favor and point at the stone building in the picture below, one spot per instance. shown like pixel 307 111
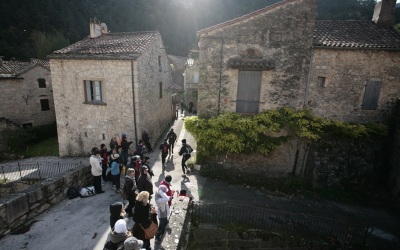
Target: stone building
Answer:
pixel 281 56
pixel 108 84
pixel 26 95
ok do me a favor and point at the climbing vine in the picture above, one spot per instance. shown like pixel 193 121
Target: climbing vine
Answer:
pixel 264 132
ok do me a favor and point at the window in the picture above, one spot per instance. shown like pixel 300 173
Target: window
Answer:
pixel 160 89
pixel 371 95
pixel 321 82
pixel 94 91
pixel 196 77
pixel 42 83
pixel 248 93
pixel 44 103
pixel 159 64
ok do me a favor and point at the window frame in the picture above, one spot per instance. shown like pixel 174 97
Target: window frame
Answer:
pixel 45 104
pixel 42 81
pixel 90 98
pixel 321 82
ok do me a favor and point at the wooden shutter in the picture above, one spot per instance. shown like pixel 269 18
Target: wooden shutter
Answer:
pixel 248 94
pixel 371 95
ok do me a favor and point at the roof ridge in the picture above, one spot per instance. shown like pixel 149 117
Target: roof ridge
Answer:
pixel 254 13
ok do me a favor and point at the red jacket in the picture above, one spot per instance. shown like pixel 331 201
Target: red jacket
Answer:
pixel 169 192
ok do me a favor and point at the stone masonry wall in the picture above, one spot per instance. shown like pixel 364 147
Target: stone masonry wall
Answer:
pixel 21 98
pixel 19 208
pixel 282 35
pixel 154 111
pixel 83 126
pixel 346 73
pixel 279 163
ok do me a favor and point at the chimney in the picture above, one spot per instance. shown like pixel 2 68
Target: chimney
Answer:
pixel 95 28
pixel 384 13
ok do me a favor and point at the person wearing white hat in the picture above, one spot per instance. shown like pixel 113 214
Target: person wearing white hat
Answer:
pixel 120 232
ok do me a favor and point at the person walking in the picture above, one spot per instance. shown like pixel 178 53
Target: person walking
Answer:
pixel 162 200
pixel 96 170
pixel 164 148
pixel 171 136
pixel 185 151
pixel 146 139
pixel 190 107
pixel 129 190
pixel 143 214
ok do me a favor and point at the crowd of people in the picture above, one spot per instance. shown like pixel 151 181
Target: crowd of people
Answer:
pixel 136 188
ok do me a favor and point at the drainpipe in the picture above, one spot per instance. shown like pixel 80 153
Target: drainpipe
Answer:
pixel 220 75
pixel 134 102
pixel 304 107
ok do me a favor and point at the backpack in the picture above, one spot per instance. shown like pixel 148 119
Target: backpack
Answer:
pixel 87 191
pixel 72 192
pixel 189 149
pixel 164 149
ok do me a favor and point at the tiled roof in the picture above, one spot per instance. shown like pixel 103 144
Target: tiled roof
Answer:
pixel 110 45
pixel 11 69
pixel 355 34
pixel 239 19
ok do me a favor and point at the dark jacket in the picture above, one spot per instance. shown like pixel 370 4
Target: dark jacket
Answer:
pixel 166 148
pixel 145 137
pixel 129 187
pixel 125 144
pixel 144 183
pixel 171 136
pixel 142 217
pixel 115 213
pixel 185 151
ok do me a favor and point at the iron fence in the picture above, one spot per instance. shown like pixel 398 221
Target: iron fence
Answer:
pixel 307 226
pixel 24 171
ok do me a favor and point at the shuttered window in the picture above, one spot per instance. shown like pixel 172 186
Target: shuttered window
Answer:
pixel 93 91
pixel 248 94
pixel 371 95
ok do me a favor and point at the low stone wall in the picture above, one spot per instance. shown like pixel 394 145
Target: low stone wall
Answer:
pixel 177 235
pixel 211 237
pixel 19 208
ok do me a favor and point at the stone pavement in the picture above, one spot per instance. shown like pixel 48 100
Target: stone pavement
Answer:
pixel 84 223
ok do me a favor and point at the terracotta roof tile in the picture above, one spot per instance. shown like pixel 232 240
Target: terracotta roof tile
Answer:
pixel 355 34
pixel 11 69
pixel 129 44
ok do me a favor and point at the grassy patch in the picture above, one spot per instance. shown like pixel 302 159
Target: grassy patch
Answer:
pixel 48 147
pixel 3 180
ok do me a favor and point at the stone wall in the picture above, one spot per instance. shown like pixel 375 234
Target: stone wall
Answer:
pixel 346 73
pixel 279 163
pixel 282 35
pixel 179 223
pixel 83 126
pixel 21 98
pixel 19 208
pixel 211 237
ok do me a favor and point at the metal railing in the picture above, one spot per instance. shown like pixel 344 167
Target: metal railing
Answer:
pixel 24 171
pixel 311 227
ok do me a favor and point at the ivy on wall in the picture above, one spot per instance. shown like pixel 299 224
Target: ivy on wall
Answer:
pixel 264 132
